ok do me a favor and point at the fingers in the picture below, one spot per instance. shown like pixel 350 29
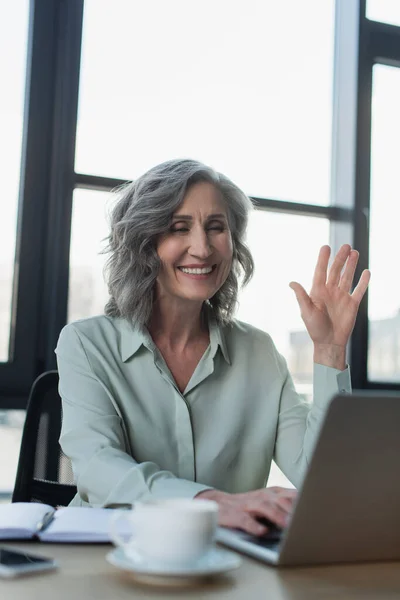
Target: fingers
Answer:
pixel 321 268
pixel 286 504
pixel 281 492
pixel 250 524
pixel 275 504
pixel 243 510
pixel 346 279
pixel 338 264
pixel 341 272
pixel 276 514
pixel 362 285
pixel 283 504
pixel 238 518
pixel 302 297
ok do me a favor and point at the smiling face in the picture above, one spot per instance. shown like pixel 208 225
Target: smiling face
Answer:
pixel 196 252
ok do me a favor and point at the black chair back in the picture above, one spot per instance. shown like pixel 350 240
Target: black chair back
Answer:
pixel 44 473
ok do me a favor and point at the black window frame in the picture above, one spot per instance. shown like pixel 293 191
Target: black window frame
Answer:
pixel 46 184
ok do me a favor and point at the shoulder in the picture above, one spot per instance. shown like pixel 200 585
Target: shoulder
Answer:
pixel 253 349
pixel 249 338
pixel 93 330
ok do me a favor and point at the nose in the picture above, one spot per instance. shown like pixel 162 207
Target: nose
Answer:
pixel 200 246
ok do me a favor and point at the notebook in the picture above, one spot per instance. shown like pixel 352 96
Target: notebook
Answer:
pixel 26 520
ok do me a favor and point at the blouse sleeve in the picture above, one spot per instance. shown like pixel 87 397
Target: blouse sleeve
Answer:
pixel 94 437
pixel 299 422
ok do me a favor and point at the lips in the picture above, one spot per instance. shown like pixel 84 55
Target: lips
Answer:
pixel 197 269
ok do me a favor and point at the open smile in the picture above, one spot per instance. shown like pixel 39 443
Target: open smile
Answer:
pixel 202 272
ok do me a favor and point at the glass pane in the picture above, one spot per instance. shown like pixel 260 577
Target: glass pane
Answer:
pixel 87 290
pixel 11 424
pixel 244 87
pixel 386 11
pixel 285 248
pixel 13 40
pixel 384 292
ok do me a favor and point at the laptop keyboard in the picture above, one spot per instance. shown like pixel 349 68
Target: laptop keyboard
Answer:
pixel 265 547
pixel 270 540
pixel 264 542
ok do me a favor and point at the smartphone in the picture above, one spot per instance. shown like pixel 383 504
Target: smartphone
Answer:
pixel 14 563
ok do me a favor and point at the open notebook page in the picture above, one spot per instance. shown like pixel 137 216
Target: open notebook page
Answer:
pixel 21 519
pixel 78 524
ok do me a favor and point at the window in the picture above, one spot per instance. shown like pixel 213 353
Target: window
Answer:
pixel 11 424
pixel 283 253
pixel 243 90
pixel 387 11
pixel 13 41
pixel 384 294
pixel 87 290
pixel 13 49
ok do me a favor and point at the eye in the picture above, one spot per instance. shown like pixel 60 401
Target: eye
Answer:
pixel 179 229
pixel 216 226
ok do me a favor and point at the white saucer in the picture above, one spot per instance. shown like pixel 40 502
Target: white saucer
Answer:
pixel 215 562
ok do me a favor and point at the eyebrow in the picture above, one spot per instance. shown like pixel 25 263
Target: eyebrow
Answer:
pixel 190 218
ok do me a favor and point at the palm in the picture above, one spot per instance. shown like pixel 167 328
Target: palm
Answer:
pixel 330 310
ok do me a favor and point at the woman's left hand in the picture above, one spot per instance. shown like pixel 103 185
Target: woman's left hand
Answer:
pixel 330 310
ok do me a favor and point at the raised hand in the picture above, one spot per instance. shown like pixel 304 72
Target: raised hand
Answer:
pixel 329 312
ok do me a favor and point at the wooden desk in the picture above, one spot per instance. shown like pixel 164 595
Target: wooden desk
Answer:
pixel 84 574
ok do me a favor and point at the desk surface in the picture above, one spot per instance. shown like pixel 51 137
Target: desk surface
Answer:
pixel 85 574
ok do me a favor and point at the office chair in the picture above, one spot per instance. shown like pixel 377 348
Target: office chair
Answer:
pixel 44 473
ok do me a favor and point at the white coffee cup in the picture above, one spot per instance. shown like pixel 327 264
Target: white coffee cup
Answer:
pixel 173 532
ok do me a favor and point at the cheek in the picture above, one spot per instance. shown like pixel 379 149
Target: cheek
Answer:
pixel 167 252
pixel 227 249
pixel 226 254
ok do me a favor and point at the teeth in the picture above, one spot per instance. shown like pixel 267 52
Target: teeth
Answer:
pixel 196 271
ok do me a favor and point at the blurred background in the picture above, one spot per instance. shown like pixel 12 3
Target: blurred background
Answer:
pixel 297 102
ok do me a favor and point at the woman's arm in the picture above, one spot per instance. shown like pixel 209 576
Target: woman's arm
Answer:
pixel 299 421
pixel 329 313
pixel 93 436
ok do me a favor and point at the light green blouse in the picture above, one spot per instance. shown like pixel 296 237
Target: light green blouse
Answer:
pixel 131 435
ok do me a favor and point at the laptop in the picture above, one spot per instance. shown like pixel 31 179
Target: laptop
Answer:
pixel 348 507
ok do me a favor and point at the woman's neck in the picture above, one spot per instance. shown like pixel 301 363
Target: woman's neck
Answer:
pixel 177 327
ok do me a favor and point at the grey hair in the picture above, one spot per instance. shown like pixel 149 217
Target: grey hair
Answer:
pixel 142 213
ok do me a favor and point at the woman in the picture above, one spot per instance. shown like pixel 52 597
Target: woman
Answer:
pixel 166 395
